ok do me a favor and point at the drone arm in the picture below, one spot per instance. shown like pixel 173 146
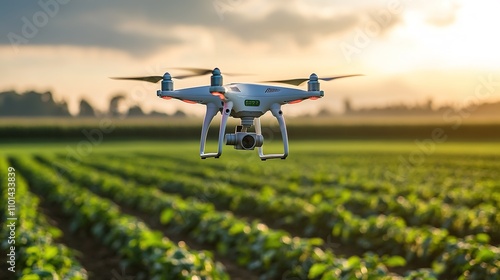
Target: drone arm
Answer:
pixel 278 114
pixel 211 112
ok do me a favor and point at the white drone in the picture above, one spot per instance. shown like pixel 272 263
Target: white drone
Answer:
pixel 247 102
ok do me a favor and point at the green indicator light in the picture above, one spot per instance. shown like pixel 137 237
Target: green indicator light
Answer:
pixel 253 103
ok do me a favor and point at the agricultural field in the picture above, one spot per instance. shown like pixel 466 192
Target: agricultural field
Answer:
pixel 332 210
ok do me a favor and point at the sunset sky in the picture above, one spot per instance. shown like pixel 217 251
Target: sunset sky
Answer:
pixel 409 50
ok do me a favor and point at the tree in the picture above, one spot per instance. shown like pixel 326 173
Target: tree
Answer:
pixel 135 111
pixel 86 110
pixel 179 114
pixel 114 105
pixel 347 106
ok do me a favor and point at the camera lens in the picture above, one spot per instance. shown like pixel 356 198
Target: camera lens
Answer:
pixel 248 142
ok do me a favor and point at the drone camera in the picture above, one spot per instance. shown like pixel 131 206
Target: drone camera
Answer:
pixel 244 140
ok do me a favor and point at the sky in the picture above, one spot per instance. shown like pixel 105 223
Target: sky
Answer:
pixel 408 50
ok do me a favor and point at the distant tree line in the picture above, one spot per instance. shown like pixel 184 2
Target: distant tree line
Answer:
pixel 31 104
pixel 488 109
pixel 35 104
pixel 424 109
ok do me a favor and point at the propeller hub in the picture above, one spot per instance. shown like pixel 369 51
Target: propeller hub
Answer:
pixel 216 81
pixel 313 84
pixel 166 83
pixel 313 77
pixel 167 76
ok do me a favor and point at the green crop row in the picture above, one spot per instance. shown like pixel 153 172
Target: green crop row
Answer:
pixel 386 234
pixel 253 245
pixel 352 177
pixel 37 254
pixel 462 180
pixel 127 236
pixel 459 220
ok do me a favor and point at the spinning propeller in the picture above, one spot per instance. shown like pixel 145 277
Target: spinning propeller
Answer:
pixel 196 72
pixel 151 79
pixel 299 81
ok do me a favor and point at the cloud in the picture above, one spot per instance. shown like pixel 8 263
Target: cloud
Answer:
pixel 283 23
pixel 101 23
pixel 78 24
pixel 443 13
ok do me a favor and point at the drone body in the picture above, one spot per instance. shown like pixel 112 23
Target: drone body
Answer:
pixel 245 101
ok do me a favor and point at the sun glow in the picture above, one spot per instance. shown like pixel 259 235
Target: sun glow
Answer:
pixel 470 41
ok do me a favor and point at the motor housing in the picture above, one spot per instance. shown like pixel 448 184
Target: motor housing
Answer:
pixel 167 84
pixel 313 84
